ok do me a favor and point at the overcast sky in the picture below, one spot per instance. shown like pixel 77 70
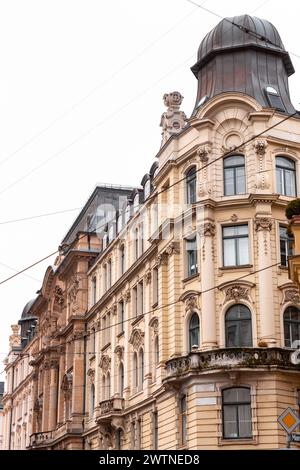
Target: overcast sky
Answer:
pixel 81 88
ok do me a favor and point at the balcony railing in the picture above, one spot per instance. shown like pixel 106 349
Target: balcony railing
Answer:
pixel 229 358
pixel 112 405
pixel 39 438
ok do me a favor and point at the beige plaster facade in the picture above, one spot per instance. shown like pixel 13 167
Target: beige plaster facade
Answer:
pixel 174 331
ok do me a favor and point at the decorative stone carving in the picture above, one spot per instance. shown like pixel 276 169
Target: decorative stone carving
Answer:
pixel 162 259
pixel 154 325
pixel 234 218
pixel 209 229
pixel 263 223
pixel 147 277
pixel 232 141
pixel 114 308
pixel 173 120
pixel 59 296
pixel 78 334
pixel 127 295
pixel 173 248
pixel 105 363
pixel 191 303
pixel 67 382
pixel 15 338
pixel 91 375
pixel 260 146
pixel 203 152
pixel 236 293
pixel 119 351
pixel 137 338
pixel 291 295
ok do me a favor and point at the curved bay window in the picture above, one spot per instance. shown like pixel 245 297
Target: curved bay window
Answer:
pixel 234 175
pixel 194 331
pixel 291 322
pixel 285 176
pixel 191 183
pixel 236 411
pixel 238 327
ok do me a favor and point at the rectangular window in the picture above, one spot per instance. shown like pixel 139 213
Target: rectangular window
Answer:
pixel 93 341
pixel 121 316
pixel 109 274
pixel 141 239
pixel 134 301
pixel 94 290
pixel 138 434
pixel 191 250
pixel 234 175
pixel 136 244
pixel 182 421
pixel 155 286
pixel 235 245
pixel 107 335
pixel 104 331
pixel 104 278
pixel 237 422
pixel 286 245
pixel 140 298
pixel 122 260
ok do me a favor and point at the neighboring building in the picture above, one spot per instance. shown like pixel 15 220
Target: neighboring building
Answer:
pixel 1 414
pixel 173 328
pixel 43 364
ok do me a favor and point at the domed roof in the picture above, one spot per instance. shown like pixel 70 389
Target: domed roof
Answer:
pixel 246 32
pixel 26 310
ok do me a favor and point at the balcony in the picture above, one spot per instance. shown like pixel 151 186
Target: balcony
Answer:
pixel 40 439
pixel 228 359
pixel 109 409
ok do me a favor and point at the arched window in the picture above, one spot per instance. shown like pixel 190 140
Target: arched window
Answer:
pixel 108 385
pixel 135 370
pixel 191 181
pixel 194 331
pixel 121 379
pixel 238 326
pixel 285 176
pixel 141 368
pixel 291 321
pixel 92 398
pixel 236 411
pixel 234 175
pixel 156 350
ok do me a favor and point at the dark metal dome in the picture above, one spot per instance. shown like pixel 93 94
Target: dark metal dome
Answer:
pixel 228 36
pixel 244 54
pixel 26 310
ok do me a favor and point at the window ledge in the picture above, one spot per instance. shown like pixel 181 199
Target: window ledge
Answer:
pixel 190 278
pixel 228 268
pixel 137 319
pixel 238 440
pixel 284 268
pixel 105 346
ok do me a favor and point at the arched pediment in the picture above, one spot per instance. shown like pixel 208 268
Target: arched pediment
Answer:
pixel 47 282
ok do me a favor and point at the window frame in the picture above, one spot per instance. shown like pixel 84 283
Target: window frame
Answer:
pixel 189 256
pixel 192 329
pixel 191 182
pixel 235 237
pixel 238 322
pixel 237 405
pixel 234 168
pixel 290 322
pixel 288 241
pixel 283 174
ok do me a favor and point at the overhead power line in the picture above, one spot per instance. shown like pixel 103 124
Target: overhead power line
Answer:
pixel 154 196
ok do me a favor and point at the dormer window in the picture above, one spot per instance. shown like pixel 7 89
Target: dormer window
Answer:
pixel 105 240
pixel 136 202
pixel 274 98
pixel 127 213
pixel 120 223
pixel 147 189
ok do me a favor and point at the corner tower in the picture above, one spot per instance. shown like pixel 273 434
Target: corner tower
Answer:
pixel 244 54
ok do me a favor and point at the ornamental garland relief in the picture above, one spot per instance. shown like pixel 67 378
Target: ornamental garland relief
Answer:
pixel 291 295
pixel 137 338
pixel 237 293
pixel 105 362
pixel 203 154
pixel 263 224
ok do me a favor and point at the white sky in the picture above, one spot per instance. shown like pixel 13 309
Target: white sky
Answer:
pixel 99 68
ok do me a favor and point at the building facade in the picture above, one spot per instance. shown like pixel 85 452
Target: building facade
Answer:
pixel 185 316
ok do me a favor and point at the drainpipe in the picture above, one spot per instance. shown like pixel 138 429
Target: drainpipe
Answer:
pixel 11 411
pixel 84 379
